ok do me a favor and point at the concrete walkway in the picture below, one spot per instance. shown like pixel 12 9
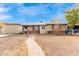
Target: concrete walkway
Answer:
pixel 3 35
pixel 33 48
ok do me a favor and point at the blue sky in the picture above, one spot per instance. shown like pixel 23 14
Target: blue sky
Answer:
pixel 33 12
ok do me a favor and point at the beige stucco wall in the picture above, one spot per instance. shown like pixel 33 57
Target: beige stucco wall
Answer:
pixel 2 28
pixel 63 27
pixel 13 29
pixel 49 28
pixel 43 31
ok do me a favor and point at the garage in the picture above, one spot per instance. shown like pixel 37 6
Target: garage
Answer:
pixel 10 28
pixel 76 27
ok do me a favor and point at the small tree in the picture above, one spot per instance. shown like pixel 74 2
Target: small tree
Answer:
pixel 72 16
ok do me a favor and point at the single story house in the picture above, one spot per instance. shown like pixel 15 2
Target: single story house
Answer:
pixel 9 28
pixel 39 28
pixel 44 28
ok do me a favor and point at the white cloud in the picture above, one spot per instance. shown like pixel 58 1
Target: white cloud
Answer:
pixel 3 9
pixel 33 10
pixel 58 4
pixel 59 16
pixel 3 13
pixel 5 17
pixel 26 10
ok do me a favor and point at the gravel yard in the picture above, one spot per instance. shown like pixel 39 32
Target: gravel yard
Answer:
pixel 13 45
pixel 59 45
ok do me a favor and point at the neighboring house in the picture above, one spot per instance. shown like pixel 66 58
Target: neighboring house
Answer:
pixel 44 28
pixel 76 27
pixel 9 28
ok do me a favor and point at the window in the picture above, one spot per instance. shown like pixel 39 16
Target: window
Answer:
pixel 36 27
pixel 43 27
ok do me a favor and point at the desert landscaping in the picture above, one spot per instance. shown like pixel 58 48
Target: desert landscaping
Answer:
pixel 59 45
pixel 13 46
pixel 51 45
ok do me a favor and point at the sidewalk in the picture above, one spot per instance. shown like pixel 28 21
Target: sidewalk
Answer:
pixel 3 35
pixel 33 48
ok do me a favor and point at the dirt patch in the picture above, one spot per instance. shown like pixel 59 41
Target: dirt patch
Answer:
pixel 59 45
pixel 13 46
